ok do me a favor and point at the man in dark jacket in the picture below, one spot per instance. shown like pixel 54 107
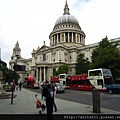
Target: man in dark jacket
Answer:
pixel 49 94
pixel 42 87
pixel 20 86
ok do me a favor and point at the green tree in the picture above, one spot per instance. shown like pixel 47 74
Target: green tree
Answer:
pixel 62 69
pixel 106 55
pixel 82 64
pixel 8 73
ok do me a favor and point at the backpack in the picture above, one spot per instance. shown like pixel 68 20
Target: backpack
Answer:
pixel 50 92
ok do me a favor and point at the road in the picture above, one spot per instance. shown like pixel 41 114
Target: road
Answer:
pixel 108 101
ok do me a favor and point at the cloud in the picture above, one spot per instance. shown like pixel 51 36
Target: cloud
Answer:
pixel 98 19
pixel 31 21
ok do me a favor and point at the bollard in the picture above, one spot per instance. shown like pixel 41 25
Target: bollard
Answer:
pixel 96 100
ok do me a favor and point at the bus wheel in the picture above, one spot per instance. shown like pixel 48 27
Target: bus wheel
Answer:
pixel 75 88
pixel 110 91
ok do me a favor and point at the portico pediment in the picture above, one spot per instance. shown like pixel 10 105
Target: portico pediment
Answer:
pixel 43 48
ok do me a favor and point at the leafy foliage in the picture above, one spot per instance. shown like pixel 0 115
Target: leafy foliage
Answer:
pixel 106 55
pixel 82 64
pixel 7 73
pixel 62 69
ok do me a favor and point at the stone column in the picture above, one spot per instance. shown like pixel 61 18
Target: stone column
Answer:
pixel 76 37
pixel 40 75
pixel 64 37
pixel 58 54
pixel 60 37
pixel 44 75
pixel 57 38
pixel 82 39
pixel 68 37
pixel 72 36
pixel 37 73
pixel 52 40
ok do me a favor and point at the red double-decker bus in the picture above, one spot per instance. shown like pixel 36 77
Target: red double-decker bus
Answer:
pixel 54 79
pixel 80 82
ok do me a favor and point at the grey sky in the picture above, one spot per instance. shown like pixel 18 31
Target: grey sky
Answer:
pixel 31 21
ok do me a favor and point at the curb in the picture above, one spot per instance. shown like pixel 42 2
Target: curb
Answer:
pixel 7 96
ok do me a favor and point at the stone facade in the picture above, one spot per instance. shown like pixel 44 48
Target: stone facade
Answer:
pixel 67 40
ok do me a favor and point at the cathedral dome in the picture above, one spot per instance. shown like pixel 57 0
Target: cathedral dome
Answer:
pixel 67 30
pixel 66 19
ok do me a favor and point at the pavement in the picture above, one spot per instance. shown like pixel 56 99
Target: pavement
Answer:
pixel 25 103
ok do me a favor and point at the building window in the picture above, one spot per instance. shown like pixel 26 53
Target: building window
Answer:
pixel 44 57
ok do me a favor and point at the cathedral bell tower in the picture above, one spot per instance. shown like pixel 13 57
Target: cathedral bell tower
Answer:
pixel 16 52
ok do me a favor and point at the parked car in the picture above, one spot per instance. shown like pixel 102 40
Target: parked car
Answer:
pixel 24 84
pixel 113 88
pixel 36 85
pixel 60 87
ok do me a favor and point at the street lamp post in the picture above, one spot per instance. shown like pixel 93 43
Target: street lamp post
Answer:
pixel 13 87
pixel 12 93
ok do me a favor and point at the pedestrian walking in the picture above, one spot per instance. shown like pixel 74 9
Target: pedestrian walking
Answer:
pixel 55 91
pixel 48 92
pixel 42 87
pixel 17 86
pixel 20 86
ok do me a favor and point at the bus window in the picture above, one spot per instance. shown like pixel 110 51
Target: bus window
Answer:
pixel 62 76
pixel 95 73
pixel 106 72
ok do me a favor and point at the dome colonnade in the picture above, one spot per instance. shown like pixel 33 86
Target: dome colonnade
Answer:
pixel 67 30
